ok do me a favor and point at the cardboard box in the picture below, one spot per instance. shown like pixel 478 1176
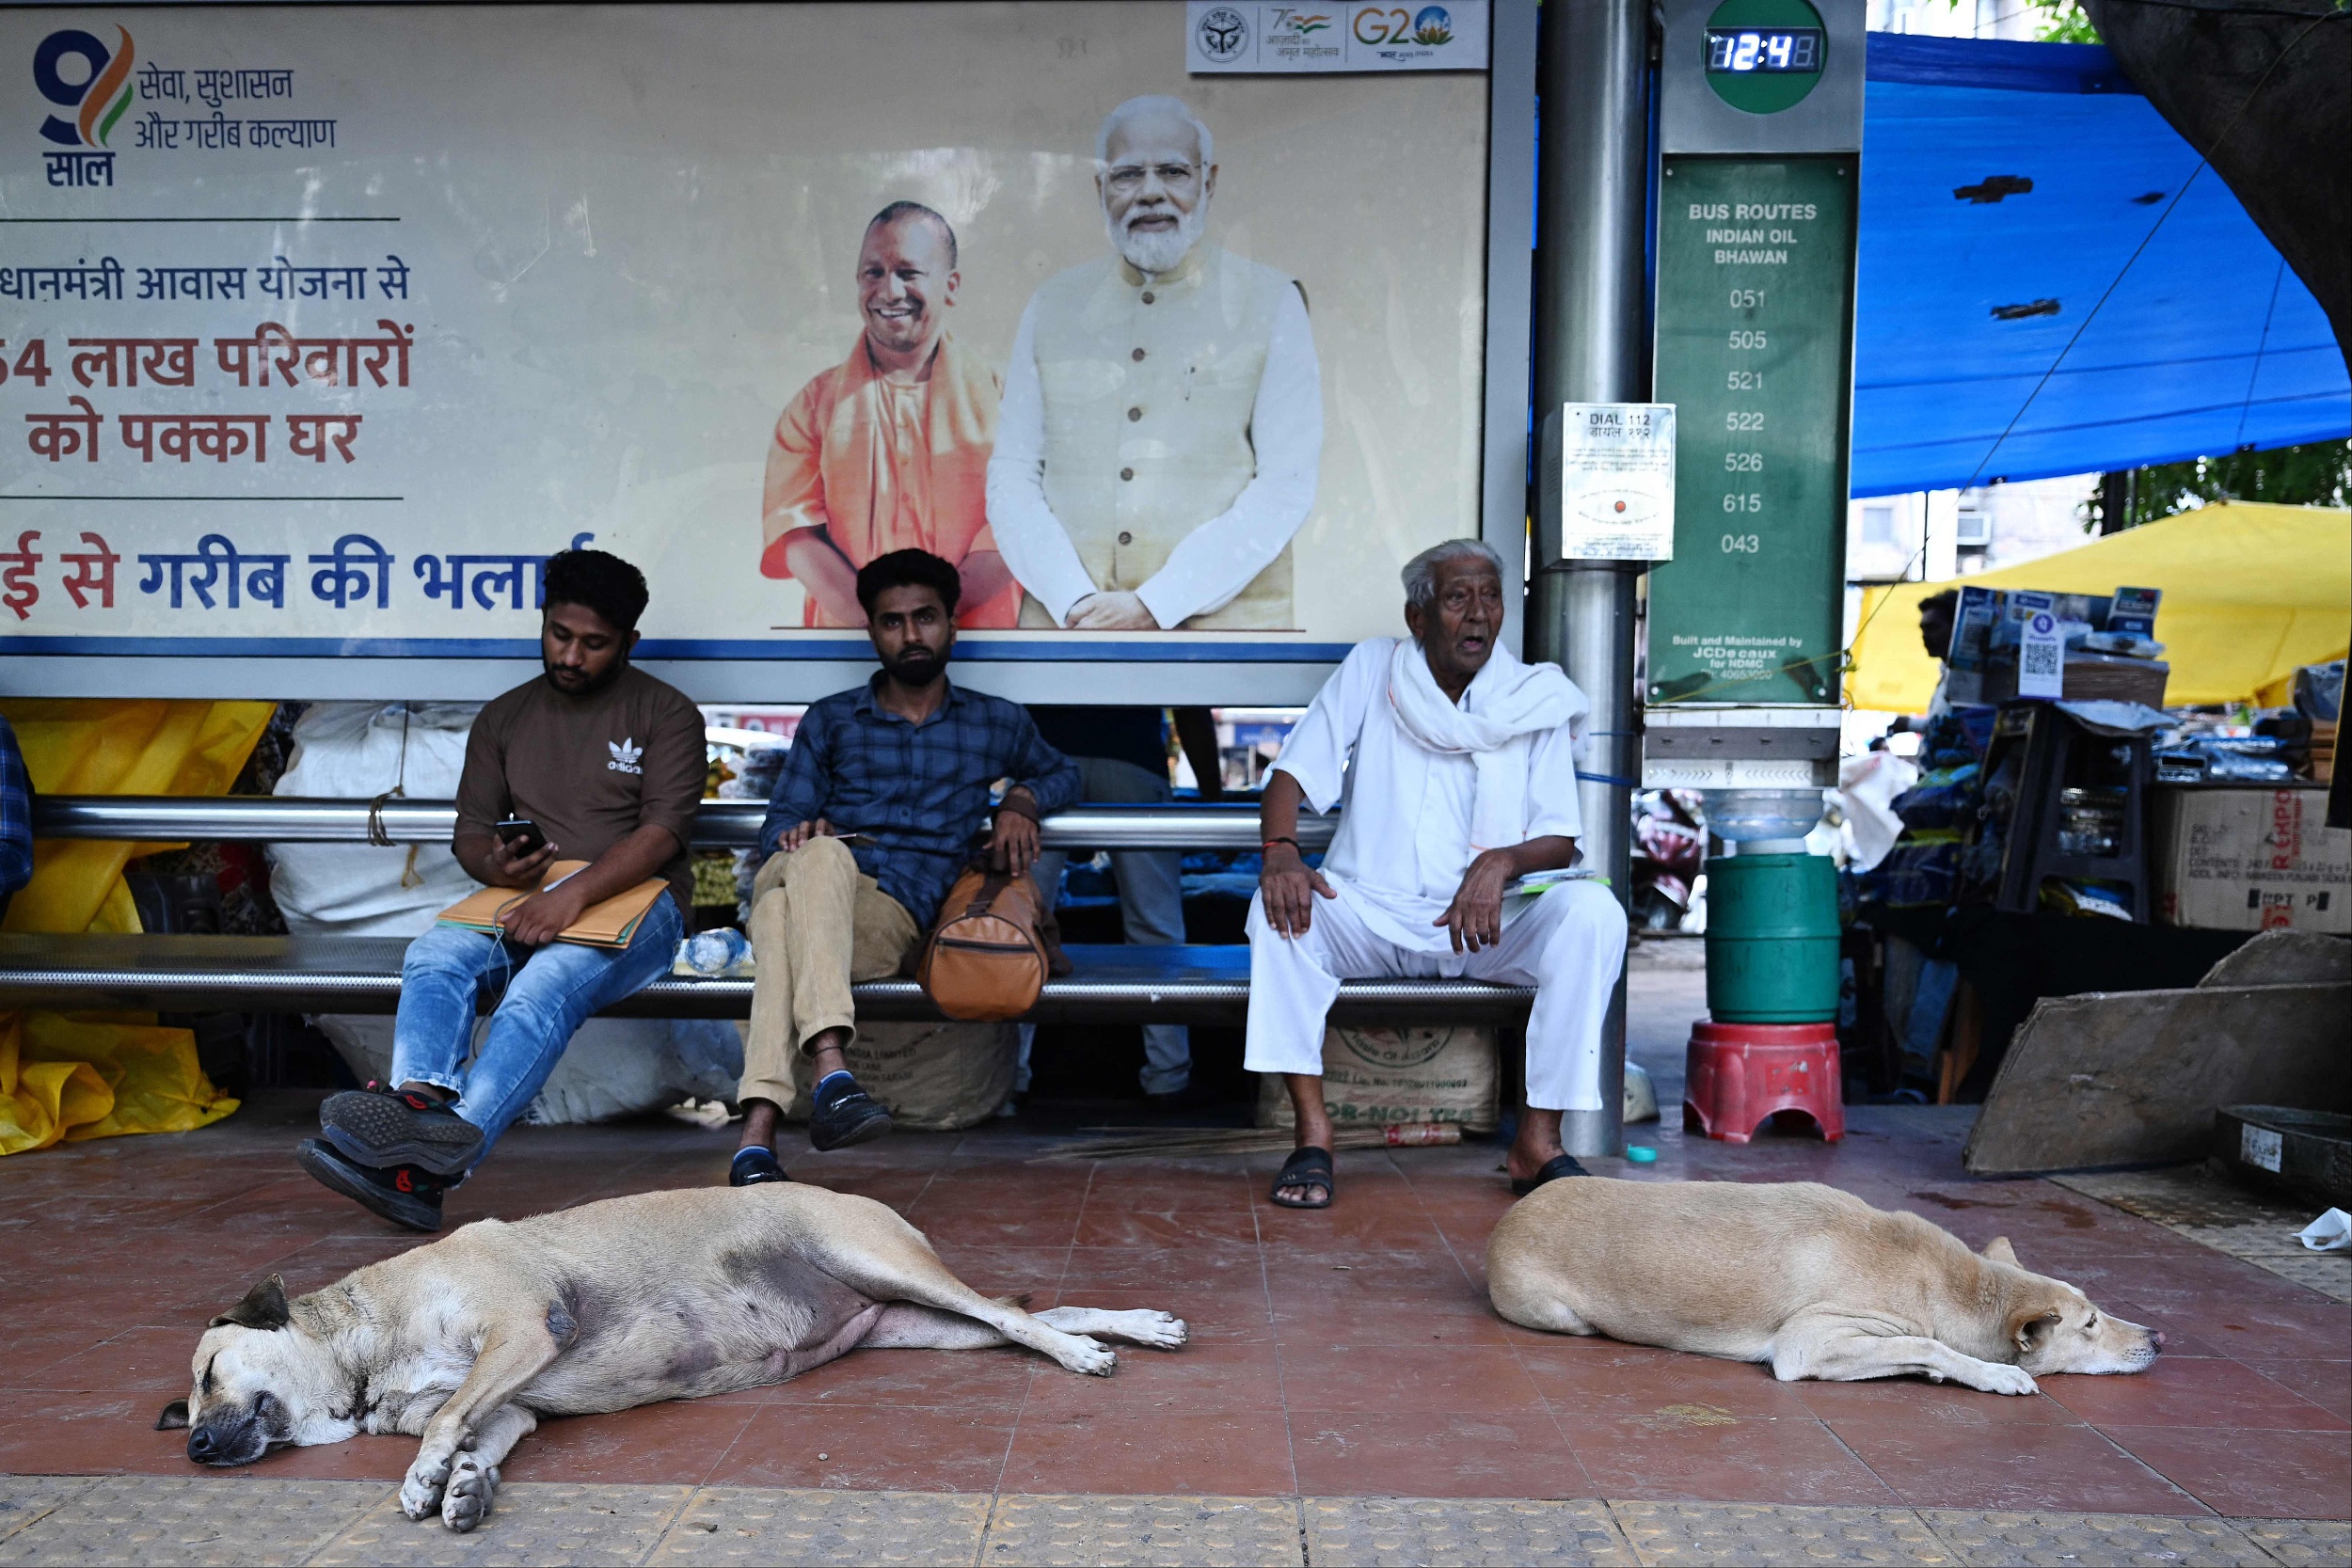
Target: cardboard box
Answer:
pixel 2089 678
pixel 2250 858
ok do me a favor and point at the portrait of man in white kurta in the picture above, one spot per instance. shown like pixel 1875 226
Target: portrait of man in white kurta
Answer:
pixel 1161 421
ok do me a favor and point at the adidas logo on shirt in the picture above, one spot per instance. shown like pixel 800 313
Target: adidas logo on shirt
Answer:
pixel 625 754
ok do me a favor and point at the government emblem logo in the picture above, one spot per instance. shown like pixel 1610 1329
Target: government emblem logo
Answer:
pixel 1222 35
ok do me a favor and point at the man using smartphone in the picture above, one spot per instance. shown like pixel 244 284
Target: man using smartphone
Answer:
pixel 594 761
pixel 881 802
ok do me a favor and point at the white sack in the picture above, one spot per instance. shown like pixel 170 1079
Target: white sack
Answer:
pixel 617 1067
pixel 356 750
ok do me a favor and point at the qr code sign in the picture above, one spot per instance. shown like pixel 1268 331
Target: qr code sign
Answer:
pixel 2039 658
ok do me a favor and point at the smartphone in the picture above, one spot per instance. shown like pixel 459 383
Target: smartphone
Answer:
pixel 522 836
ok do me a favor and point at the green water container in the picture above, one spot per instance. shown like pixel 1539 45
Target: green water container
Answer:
pixel 1772 938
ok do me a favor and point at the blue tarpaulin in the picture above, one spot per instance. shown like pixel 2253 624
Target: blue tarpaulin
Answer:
pixel 2003 187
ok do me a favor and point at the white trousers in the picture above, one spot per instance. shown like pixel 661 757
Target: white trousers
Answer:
pixel 1569 944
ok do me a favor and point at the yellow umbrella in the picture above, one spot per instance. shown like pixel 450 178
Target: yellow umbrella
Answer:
pixel 2250 591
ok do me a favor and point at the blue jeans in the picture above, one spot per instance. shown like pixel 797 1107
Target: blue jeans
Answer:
pixel 543 994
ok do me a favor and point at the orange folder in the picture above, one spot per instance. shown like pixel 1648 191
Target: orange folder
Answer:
pixel 611 924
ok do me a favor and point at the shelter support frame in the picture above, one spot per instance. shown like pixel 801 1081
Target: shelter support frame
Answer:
pixel 1591 346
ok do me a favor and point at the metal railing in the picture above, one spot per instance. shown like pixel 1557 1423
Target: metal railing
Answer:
pixel 718 825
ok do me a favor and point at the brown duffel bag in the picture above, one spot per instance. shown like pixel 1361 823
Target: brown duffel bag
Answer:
pixel 993 944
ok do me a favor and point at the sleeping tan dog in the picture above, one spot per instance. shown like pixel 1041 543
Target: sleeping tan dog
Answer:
pixel 1811 1280
pixel 467 1342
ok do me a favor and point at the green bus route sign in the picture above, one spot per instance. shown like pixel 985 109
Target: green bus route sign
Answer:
pixel 1756 351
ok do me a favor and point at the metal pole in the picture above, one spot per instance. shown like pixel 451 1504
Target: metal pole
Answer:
pixel 1592 177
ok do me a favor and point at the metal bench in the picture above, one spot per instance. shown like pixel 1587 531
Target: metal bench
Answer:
pixel 361 974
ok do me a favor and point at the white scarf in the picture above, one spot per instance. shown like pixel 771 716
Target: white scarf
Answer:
pixel 1506 704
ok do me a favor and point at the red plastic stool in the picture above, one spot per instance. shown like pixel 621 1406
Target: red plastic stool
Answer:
pixel 1737 1075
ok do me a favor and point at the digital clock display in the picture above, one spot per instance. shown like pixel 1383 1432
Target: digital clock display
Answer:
pixel 1749 50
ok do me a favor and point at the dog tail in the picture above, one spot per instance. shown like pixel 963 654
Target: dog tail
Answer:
pixel 1020 1301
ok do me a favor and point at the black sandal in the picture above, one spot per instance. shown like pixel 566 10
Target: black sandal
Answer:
pixel 1309 1167
pixel 1554 1168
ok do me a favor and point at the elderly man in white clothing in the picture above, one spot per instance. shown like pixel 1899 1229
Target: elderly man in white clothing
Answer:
pixel 1161 421
pixel 1454 763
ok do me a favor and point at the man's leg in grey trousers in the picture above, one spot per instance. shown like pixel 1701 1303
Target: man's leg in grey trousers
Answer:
pixel 1150 905
pixel 1048 874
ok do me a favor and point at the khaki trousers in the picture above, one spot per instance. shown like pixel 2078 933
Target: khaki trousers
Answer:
pixel 818 923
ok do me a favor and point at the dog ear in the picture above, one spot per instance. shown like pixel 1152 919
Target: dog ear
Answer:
pixel 263 1308
pixel 2030 1327
pixel 175 1416
pixel 2001 1251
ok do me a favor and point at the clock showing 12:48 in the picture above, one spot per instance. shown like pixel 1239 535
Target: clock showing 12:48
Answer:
pixel 1764 56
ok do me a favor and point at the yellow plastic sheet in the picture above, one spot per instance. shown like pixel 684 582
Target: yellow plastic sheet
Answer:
pixel 71 1077
pixel 2251 591
pixel 135 747
pixel 74 1077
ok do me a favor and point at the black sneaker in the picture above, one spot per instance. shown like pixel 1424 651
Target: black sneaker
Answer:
pixel 755 1165
pixel 845 1114
pixel 384 1126
pixel 402 1195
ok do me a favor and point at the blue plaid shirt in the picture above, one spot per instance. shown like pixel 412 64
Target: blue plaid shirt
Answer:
pixel 16 817
pixel 919 792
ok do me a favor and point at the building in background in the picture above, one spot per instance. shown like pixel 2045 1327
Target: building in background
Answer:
pixel 1936 536
pixel 1960 19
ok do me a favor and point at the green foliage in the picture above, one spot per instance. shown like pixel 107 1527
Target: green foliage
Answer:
pixel 2065 23
pixel 2319 474
pixel 2056 21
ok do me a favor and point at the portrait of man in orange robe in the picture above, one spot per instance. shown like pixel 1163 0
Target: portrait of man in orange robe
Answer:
pixel 888 450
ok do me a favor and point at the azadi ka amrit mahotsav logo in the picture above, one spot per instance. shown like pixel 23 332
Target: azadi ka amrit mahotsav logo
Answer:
pixel 78 73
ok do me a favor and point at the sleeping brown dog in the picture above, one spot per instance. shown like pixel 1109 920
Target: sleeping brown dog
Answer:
pixel 467 1342
pixel 1812 1281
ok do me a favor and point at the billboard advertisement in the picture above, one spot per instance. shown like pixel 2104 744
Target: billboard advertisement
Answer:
pixel 323 327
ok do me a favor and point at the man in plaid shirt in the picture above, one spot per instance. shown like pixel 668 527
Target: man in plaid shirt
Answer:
pixel 880 804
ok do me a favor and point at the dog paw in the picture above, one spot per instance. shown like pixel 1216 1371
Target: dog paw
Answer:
pixel 1090 1356
pixel 1156 1330
pixel 420 1493
pixel 466 1501
pixel 2011 1379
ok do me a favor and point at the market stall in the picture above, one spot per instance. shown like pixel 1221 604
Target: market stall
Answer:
pixel 2123 777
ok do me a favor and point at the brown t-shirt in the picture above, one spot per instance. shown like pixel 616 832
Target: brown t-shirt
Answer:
pixel 590 771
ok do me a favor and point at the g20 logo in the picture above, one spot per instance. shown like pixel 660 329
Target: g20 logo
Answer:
pixel 75 72
pixel 1430 27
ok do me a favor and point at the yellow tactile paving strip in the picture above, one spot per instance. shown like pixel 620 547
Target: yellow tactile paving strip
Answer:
pixel 231 1519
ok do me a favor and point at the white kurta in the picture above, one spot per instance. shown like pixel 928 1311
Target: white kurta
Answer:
pixel 1402 844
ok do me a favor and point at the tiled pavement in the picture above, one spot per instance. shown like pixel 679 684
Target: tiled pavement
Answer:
pixel 1338 1359
pixel 1349 1352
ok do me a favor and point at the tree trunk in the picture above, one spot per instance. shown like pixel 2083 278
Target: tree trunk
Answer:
pixel 2284 156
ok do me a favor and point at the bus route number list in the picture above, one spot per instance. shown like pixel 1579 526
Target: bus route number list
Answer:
pixel 1754 311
